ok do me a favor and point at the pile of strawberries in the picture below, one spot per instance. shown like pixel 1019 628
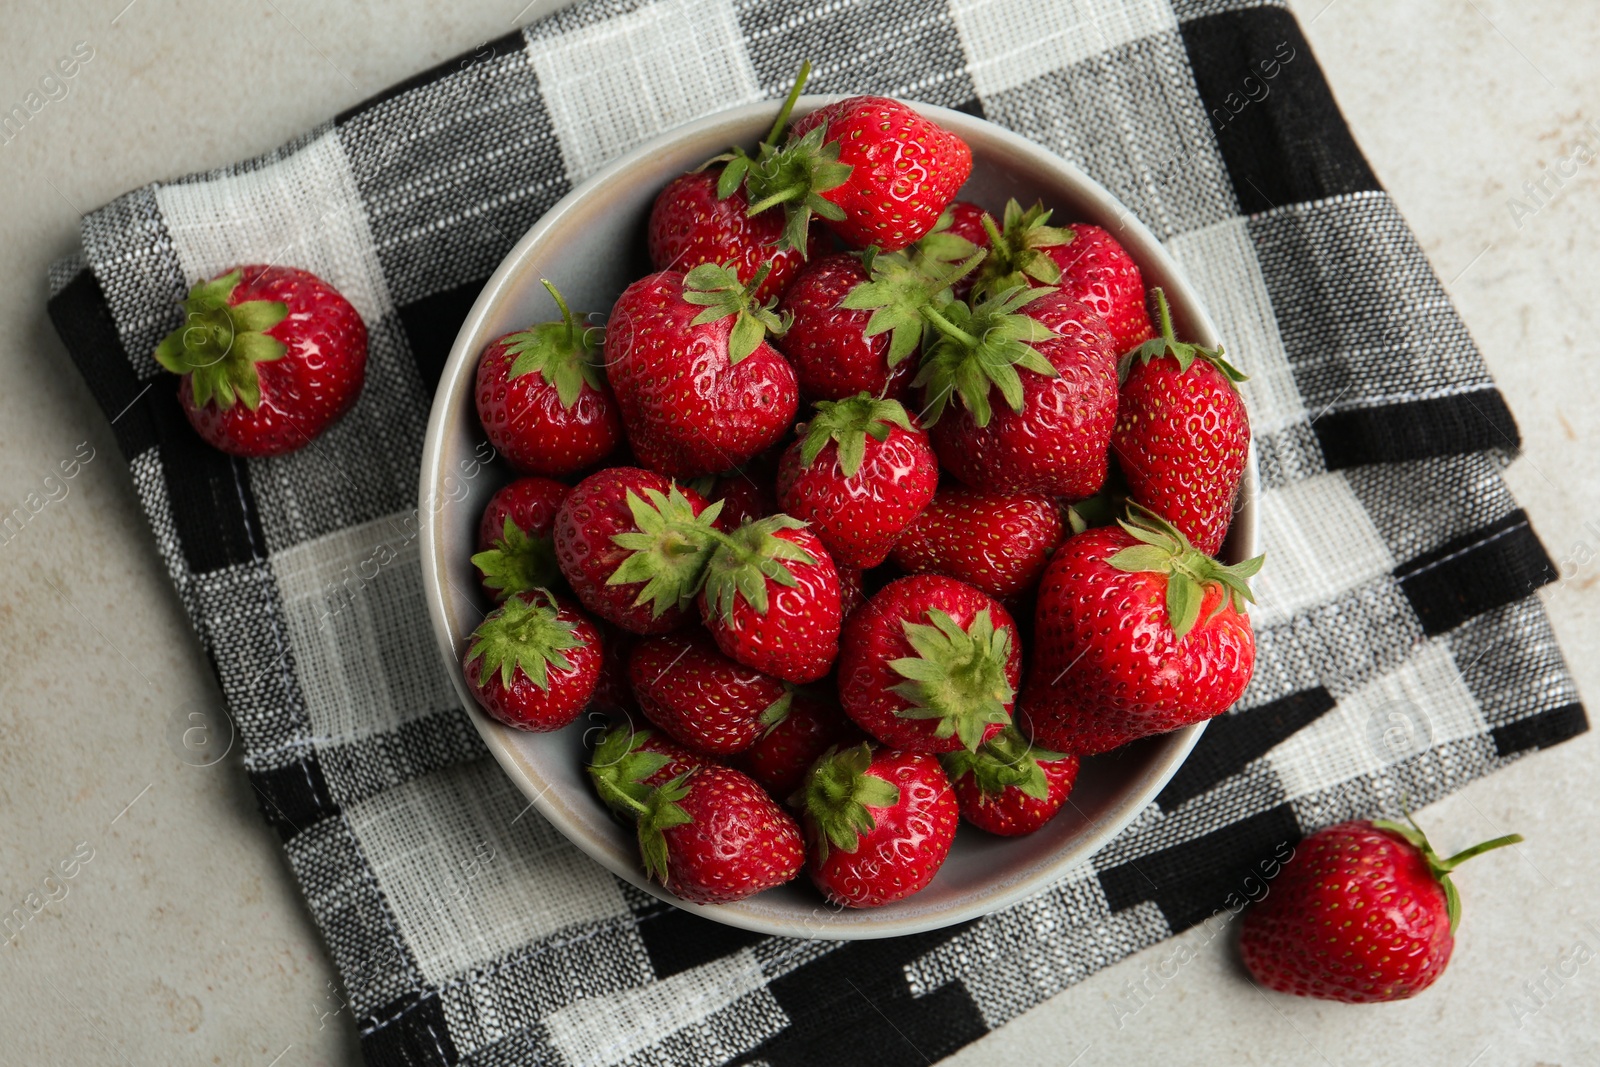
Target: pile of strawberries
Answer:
pixel 919 606
pixel 914 605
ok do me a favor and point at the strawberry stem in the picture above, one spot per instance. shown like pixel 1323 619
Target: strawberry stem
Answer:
pixel 566 312
pixel 948 328
pixel 794 192
pixel 788 105
pixel 1477 850
pixel 1164 314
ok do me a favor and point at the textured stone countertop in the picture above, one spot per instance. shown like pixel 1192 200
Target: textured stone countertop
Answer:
pixel 182 938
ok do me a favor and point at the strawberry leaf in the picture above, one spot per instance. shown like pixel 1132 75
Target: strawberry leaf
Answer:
pixel 565 354
pixel 980 348
pixel 668 550
pixel 716 287
pixel 219 344
pixel 524 634
pixel 837 796
pixel 662 812
pixel 517 563
pixel 847 424
pixel 1182 351
pixel 1164 550
pixel 1016 255
pixel 619 766
pixel 957 677
pixel 746 560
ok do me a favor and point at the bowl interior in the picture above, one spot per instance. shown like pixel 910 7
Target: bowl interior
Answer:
pixel 591 244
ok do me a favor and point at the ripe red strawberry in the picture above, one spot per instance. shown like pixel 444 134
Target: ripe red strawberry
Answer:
pixel 771 599
pixel 1136 633
pixel 852 592
pixel 997 544
pixel 930 665
pixel 633 546
pixel 904 170
pixel 270 357
pixel 690 225
pixel 856 321
pixel 1035 378
pixel 1182 434
pixel 796 737
pixel 543 400
pixel 701 698
pixel 699 388
pixel 1085 261
pixel 860 473
pixel 715 836
pixel 1362 912
pixel 627 764
pixel 1010 787
pixel 516 553
pixel 533 662
pixel 878 822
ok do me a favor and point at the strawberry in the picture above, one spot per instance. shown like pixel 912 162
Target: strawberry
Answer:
pixel 879 824
pixel 1362 912
pixel 930 665
pixel 1085 261
pixel 690 225
pixel 714 836
pixel 860 473
pixel 699 388
pixel 1010 787
pixel 997 544
pixel 633 545
pixel 627 764
pixel 794 738
pixel 903 171
pixel 1136 633
pixel 1182 434
pixel 856 320
pixel 533 662
pixel 771 599
pixel 701 698
pixel 1036 381
pixel 515 551
pixel 270 357
pixel 543 400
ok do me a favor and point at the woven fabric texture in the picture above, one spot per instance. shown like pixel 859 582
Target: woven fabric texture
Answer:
pixel 1402 649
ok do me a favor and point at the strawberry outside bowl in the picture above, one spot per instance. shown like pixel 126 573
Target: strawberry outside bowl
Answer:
pixel 591 245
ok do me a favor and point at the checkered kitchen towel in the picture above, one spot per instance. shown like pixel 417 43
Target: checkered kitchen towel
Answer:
pixel 1402 649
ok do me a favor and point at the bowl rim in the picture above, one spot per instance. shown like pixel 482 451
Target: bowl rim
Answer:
pixel 455 379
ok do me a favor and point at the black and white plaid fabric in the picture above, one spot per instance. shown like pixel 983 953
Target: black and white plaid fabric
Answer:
pixel 1402 649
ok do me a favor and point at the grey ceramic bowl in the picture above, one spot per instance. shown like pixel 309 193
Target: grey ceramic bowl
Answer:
pixel 591 244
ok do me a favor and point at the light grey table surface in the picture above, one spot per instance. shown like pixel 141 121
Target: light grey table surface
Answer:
pixel 183 940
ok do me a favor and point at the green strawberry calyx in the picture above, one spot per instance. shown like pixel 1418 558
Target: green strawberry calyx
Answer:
pixel 219 344
pixel 619 766
pixel 848 423
pixel 1441 868
pixel 837 794
pixel 980 348
pixel 776 713
pixel 1006 761
pixel 669 548
pixel 716 288
pixel 1164 550
pixel 1182 351
pixel 1016 249
pixel 565 353
pixel 793 175
pixel 747 559
pixel 517 562
pixel 898 287
pixel 662 812
pixel 957 677
pixel 939 248
pixel 525 634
